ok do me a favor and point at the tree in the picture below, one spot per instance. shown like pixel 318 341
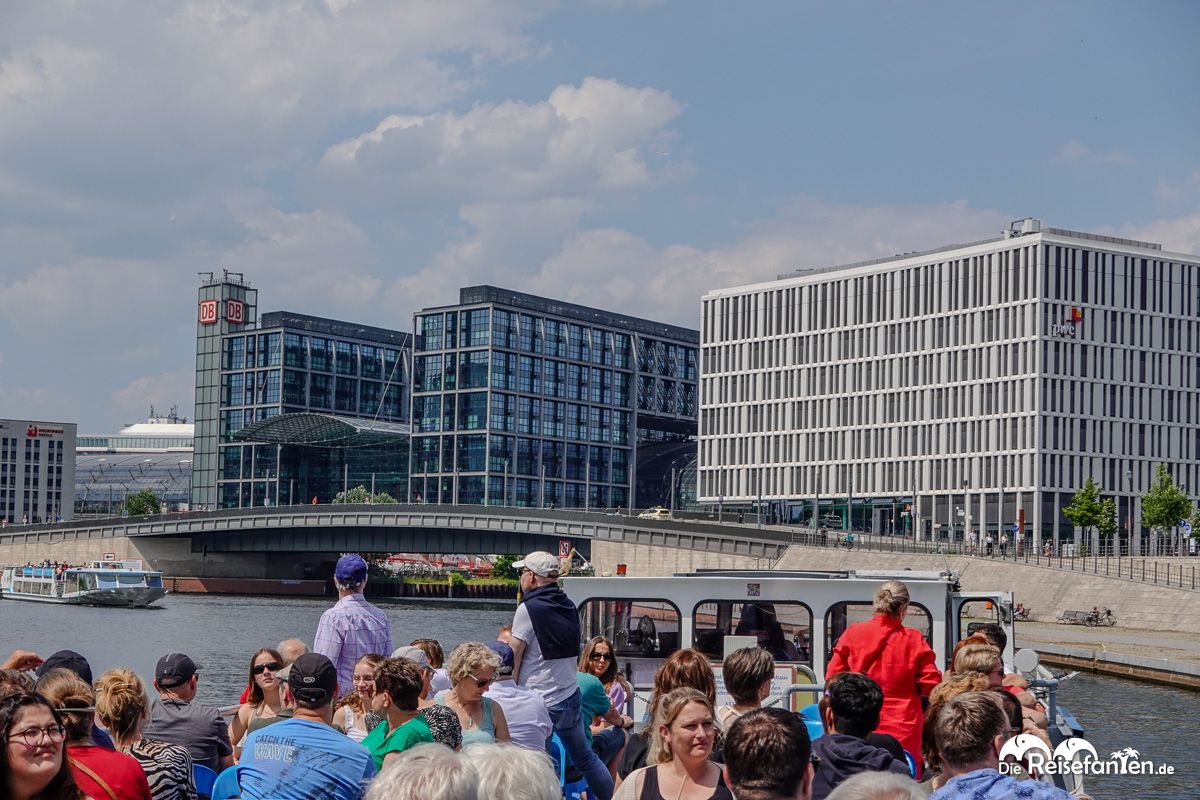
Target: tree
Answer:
pixel 1086 510
pixel 502 567
pixel 144 502
pixel 1194 520
pixel 359 494
pixel 1165 505
pixel 1108 524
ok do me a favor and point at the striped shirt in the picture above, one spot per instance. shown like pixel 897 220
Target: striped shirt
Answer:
pixel 168 769
pixel 347 632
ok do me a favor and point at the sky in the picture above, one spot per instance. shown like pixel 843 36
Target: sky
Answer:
pixel 363 159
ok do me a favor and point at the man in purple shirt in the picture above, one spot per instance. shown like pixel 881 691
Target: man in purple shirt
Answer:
pixel 353 627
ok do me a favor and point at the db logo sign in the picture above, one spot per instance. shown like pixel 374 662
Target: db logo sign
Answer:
pixel 235 311
pixel 208 312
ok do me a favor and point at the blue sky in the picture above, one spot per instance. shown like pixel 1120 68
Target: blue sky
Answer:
pixel 361 160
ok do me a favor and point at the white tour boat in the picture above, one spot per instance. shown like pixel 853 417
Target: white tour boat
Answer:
pixel 100 583
pixel 797 615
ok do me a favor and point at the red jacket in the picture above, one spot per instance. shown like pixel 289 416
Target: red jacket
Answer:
pixel 904 666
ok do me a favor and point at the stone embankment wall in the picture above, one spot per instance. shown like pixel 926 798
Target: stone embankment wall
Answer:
pixel 171 556
pixel 1044 590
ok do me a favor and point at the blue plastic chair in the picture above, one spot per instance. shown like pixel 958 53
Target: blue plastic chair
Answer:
pixel 574 790
pixel 226 786
pixel 204 778
pixel 811 714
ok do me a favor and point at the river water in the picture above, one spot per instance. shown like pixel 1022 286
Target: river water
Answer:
pixel 221 632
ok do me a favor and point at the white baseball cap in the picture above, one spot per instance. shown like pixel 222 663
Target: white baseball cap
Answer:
pixel 540 563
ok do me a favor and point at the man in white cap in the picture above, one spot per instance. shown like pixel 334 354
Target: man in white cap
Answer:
pixel 352 628
pixel 545 644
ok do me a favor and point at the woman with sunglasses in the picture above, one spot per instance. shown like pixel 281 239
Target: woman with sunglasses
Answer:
pixel 472 669
pixel 101 774
pixel 33 767
pixel 353 711
pixel 600 659
pixel 685 728
pixel 265 702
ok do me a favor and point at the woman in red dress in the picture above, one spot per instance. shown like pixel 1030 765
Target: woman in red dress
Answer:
pixel 897 658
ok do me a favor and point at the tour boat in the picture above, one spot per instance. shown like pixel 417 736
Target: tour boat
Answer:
pixel 100 583
pixel 798 615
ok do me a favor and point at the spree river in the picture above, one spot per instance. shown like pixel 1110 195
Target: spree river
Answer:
pixel 220 633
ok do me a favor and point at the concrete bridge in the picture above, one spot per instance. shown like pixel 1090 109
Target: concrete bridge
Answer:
pixel 263 542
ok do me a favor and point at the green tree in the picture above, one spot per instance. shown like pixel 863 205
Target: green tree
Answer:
pixel 502 567
pixel 359 494
pixel 144 502
pixel 1085 510
pixel 1108 525
pixel 1194 519
pixel 1165 505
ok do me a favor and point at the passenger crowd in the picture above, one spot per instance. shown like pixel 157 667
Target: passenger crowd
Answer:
pixel 529 716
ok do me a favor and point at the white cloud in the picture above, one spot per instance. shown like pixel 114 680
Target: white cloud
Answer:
pixel 1176 235
pixel 615 269
pixel 176 388
pixel 579 141
pixel 1075 150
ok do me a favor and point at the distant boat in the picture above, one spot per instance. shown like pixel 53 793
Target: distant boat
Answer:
pixel 101 583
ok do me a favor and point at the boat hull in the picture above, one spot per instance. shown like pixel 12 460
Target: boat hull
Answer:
pixel 117 598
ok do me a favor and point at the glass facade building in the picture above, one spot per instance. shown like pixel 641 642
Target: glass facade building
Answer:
pixel 521 400
pixel 961 392
pixel 285 363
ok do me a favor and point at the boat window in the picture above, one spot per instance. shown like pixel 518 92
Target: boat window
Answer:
pixel 131 580
pixel 842 615
pixel 783 628
pixel 974 614
pixel 642 632
pixel 154 581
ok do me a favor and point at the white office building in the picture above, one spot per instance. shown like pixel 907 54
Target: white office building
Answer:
pixel 37 460
pixel 965 391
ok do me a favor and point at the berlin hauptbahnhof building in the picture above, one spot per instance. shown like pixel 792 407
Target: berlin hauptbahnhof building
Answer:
pixel 502 399
pixel 958 393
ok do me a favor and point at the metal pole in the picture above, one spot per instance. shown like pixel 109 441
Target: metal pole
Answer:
pixel 372 487
pixel 504 494
pixel 672 498
pixel 291 491
pixel 1129 517
pixel 345 478
pixel 587 477
pixel 542 490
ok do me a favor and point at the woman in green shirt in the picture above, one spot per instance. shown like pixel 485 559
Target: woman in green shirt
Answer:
pixel 398 684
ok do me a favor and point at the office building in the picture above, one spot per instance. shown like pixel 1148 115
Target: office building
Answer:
pixel 961 392
pixel 527 401
pixel 37 460
pixel 293 408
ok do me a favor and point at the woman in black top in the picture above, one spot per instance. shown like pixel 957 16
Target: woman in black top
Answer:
pixel 684 730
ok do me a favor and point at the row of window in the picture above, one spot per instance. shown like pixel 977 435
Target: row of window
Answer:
pixel 519 455
pixel 479 369
pixel 495 327
pixel 469 411
pixel 1081 275
pixel 312 353
pixel 493 490
pixel 315 390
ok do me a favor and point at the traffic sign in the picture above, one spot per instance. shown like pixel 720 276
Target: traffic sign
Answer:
pixel 1015 528
pixel 564 548
pixel 1185 526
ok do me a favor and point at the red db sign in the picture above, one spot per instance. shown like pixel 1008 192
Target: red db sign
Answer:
pixel 208 312
pixel 235 311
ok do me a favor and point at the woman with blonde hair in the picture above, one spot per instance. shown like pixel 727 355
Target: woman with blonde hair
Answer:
pixel 897 658
pixel 101 774
pixel 981 659
pixel 680 745
pixel 472 669
pixel 123 708
pixel 355 714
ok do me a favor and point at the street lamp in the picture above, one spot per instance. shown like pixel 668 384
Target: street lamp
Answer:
pixel 1129 516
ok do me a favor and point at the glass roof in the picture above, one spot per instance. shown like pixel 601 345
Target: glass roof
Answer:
pixel 101 475
pixel 323 430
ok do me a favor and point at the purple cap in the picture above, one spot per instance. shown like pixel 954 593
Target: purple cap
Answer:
pixel 507 658
pixel 351 569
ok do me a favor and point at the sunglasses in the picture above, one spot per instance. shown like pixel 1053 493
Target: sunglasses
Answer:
pixel 274 666
pixel 482 682
pixel 601 657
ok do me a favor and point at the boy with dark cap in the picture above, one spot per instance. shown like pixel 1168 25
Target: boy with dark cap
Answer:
pixel 175 719
pixel 305 756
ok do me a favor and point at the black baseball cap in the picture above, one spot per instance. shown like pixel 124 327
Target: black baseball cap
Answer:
pixel 313 678
pixel 68 659
pixel 174 669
